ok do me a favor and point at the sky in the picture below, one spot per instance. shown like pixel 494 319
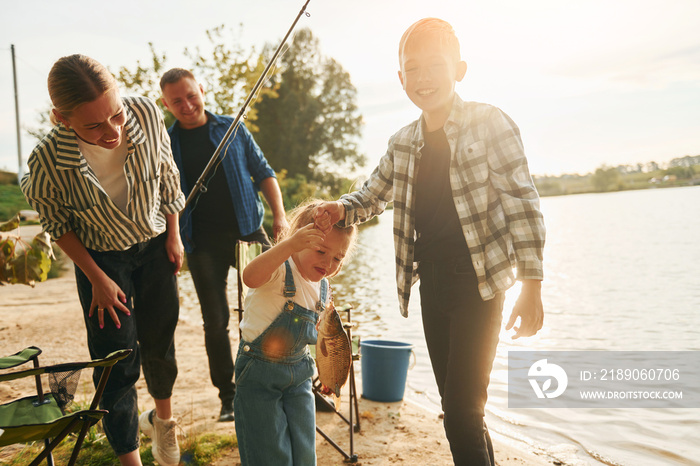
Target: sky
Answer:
pixel 589 83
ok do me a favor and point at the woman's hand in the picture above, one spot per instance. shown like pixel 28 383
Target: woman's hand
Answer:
pixel 175 250
pixel 107 296
pixel 173 242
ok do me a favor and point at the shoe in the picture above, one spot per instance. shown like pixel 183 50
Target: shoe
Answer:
pixel 226 414
pixel 163 435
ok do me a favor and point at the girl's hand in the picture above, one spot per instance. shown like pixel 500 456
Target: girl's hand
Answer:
pixel 306 237
pixel 107 296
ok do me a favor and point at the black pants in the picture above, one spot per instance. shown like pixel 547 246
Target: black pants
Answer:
pixel 461 332
pixel 209 264
pixel 146 276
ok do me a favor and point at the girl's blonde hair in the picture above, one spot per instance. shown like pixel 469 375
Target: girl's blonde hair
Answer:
pixel 303 215
pixel 75 80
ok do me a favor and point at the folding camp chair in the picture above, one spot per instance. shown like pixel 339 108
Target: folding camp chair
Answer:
pixel 43 416
pixel 353 419
pixel 245 252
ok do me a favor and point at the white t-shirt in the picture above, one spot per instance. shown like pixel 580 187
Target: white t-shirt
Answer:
pixel 263 305
pixel 108 167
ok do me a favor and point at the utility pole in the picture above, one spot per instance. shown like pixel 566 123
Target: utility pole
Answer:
pixel 20 168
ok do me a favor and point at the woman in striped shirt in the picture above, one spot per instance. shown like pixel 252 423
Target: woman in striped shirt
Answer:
pixel 108 192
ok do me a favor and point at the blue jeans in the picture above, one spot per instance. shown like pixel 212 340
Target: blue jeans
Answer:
pixel 461 332
pixel 209 264
pixel 274 405
pixel 146 276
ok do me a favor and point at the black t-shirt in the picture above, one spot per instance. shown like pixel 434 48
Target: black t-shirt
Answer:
pixel 438 227
pixel 213 209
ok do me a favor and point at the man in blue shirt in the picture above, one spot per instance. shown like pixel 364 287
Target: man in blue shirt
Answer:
pixel 229 210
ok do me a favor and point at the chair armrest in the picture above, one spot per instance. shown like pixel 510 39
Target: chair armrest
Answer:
pixel 110 360
pixel 19 358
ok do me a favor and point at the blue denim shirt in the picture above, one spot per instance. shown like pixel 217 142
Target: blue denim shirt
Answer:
pixel 245 167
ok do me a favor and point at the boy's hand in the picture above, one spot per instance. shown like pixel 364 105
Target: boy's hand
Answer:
pixel 306 237
pixel 328 214
pixel 529 308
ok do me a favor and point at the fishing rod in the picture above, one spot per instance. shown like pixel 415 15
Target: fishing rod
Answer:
pixel 199 187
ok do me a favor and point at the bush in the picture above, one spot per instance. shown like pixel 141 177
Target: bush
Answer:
pixel 8 178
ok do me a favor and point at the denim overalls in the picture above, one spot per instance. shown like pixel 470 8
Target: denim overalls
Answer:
pixel 274 406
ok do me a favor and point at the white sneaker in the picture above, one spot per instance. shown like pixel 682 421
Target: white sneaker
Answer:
pixel 163 435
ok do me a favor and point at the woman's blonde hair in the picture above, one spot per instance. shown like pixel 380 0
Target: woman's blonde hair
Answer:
pixel 75 80
pixel 303 215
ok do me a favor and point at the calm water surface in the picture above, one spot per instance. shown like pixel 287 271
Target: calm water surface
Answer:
pixel 621 274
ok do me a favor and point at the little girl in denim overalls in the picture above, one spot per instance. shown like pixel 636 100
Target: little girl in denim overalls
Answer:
pixel 274 405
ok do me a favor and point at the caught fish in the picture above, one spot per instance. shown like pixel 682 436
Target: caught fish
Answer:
pixel 333 352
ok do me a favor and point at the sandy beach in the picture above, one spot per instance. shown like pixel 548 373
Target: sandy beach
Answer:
pixel 49 316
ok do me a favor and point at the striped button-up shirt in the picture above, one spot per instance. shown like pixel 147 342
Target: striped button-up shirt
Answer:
pixel 62 187
pixel 495 198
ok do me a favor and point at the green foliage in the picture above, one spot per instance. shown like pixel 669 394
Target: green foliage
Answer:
pixel 606 179
pixel 312 127
pixel 144 80
pixel 195 450
pixel 305 116
pixel 12 200
pixel 229 74
pixel 22 262
pixel 296 189
pixel 549 187
pixel 680 172
pixel 8 178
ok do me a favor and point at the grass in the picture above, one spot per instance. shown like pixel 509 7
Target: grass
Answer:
pixel 195 450
pixel 12 201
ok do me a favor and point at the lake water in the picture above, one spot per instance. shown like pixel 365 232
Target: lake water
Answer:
pixel 621 273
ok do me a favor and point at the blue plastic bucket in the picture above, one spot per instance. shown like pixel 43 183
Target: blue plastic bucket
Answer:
pixel 384 369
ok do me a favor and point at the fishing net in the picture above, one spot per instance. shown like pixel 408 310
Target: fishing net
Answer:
pixel 63 386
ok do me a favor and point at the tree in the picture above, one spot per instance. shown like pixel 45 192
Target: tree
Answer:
pixel 227 73
pixel 606 179
pixel 312 127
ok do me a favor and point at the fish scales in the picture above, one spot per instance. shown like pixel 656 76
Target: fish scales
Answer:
pixel 333 351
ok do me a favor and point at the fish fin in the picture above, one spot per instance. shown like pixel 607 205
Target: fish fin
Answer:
pixel 322 347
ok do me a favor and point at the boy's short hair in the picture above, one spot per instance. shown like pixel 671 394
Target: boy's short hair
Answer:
pixel 427 29
pixel 174 75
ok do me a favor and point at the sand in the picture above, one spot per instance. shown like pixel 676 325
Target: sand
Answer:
pixel 49 316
